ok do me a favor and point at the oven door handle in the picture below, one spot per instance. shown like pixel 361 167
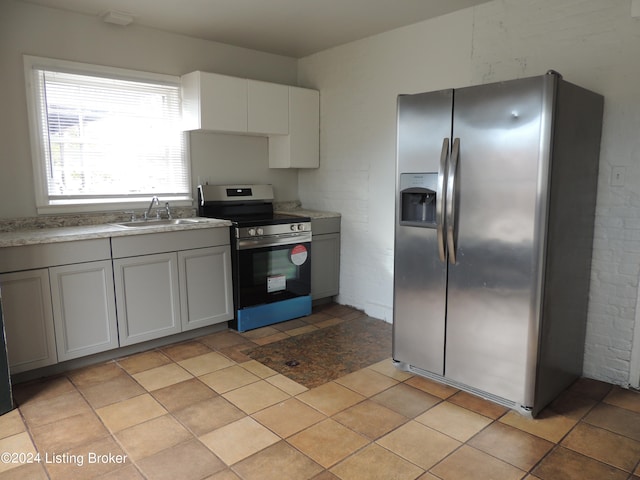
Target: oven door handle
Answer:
pixel 273 240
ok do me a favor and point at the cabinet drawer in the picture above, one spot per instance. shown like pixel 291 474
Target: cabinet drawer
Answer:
pixel 168 242
pixel 29 257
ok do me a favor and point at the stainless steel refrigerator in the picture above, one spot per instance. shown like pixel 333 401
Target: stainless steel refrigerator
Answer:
pixel 496 192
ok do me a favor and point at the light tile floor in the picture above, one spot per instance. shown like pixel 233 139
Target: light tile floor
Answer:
pixel 204 410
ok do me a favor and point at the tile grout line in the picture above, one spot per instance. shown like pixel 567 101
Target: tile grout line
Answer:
pixel 556 444
pixel 369 443
pixel 465 443
pixel 111 433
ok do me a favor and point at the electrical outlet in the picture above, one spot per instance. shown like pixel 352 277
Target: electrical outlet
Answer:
pixel 617 176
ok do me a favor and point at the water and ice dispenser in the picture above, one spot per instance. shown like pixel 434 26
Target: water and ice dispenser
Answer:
pixel 418 199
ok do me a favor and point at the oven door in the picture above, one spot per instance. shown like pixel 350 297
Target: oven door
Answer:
pixel 272 273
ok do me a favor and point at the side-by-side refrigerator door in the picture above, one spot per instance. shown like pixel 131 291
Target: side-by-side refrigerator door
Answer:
pixel 423 140
pixel 498 155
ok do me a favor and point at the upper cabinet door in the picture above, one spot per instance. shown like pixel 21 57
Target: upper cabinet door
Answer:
pixel 221 103
pixel 268 108
pixel 304 112
pixel 214 102
pixel 301 148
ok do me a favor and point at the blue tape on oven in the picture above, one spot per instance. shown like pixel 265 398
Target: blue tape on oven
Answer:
pixel 276 312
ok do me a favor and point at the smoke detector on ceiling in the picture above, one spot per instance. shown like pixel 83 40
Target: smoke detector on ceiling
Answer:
pixel 117 18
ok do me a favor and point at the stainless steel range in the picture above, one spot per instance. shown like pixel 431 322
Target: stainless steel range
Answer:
pixel 271 254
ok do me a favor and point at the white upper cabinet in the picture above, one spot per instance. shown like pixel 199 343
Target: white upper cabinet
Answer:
pixel 299 149
pixel 221 103
pixel 268 105
pixel 289 116
pixel 214 102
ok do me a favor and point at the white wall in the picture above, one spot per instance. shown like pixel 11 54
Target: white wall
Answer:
pixel 358 86
pixel 33 30
pixel 238 159
pixel 593 43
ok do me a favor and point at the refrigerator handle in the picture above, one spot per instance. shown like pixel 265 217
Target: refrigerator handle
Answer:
pixel 440 200
pixel 451 201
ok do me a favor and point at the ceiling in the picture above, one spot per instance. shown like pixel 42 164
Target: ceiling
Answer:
pixel 295 28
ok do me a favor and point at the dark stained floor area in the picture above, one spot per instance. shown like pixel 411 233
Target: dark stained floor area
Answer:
pixel 326 354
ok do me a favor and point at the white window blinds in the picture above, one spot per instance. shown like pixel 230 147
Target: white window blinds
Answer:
pixel 105 139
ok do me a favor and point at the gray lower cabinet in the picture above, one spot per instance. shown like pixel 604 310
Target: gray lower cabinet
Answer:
pixel 325 257
pixel 147 296
pixel 26 304
pixel 205 286
pixel 68 284
pixel 84 311
pixel 167 283
pixel 67 300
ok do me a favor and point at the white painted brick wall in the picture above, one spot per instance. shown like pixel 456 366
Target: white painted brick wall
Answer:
pixel 614 285
pixel 593 43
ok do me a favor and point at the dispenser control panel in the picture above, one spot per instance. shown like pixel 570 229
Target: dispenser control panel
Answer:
pixel 418 199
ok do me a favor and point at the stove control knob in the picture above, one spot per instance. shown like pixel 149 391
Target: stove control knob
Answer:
pixel 251 232
pixel 301 226
pixel 260 231
pixel 294 227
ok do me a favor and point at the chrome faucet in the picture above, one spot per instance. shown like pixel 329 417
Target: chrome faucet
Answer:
pixel 154 201
pixel 168 210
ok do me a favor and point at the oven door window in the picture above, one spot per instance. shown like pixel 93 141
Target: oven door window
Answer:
pixel 271 274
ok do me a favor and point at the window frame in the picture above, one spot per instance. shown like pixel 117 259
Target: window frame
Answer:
pixel 44 205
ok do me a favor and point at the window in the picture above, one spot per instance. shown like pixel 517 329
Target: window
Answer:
pixel 104 138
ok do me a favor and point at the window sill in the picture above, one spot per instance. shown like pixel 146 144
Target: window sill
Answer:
pixel 116 205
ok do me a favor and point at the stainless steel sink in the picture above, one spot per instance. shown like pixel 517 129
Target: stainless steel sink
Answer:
pixel 160 223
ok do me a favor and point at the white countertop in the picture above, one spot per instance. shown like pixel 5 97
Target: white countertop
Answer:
pixel 86 232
